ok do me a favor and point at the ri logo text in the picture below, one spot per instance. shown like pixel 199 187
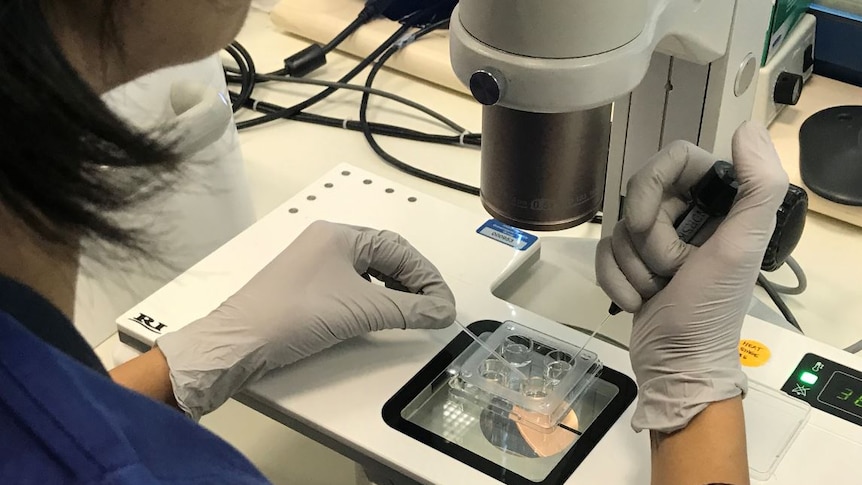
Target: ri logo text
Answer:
pixel 149 323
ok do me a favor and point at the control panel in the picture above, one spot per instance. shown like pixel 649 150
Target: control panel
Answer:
pixel 828 386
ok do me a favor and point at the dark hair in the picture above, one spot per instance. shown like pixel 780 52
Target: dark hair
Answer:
pixel 68 164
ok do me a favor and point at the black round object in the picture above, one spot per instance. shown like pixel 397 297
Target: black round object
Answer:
pixel 790 222
pixel 788 88
pixel 485 87
pixel 830 154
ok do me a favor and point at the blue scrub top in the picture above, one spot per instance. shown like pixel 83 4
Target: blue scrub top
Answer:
pixel 64 422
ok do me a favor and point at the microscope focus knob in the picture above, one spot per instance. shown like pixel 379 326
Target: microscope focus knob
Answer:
pixel 788 88
pixel 487 86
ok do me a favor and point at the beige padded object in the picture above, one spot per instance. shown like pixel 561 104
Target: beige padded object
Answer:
pixel 321 20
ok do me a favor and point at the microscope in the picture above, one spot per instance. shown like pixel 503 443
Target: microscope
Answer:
pixel 579 94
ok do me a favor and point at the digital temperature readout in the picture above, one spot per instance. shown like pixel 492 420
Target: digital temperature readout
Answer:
pixel 828 386
pixel 844 392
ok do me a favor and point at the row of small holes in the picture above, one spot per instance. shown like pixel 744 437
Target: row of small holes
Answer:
pixel 366 182
pixel 328 185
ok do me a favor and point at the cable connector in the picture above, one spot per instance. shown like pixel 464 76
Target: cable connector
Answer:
pixel 305 61
pixel 314 56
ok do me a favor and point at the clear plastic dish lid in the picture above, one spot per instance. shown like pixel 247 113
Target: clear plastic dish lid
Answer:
pixel 537 385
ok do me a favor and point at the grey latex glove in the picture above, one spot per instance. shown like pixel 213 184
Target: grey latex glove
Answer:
pixel 689 302
pixel 310 297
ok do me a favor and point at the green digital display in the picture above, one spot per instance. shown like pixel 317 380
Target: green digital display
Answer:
pixel 827 386
pixel 844 392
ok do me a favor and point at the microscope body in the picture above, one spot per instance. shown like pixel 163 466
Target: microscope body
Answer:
pixel 580 94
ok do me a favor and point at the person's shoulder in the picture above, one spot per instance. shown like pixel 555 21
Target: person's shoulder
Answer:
pixel 65 423
pixel 33 312
pixel 35 447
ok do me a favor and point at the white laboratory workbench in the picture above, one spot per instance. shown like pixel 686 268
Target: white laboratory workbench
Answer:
pixel 284 157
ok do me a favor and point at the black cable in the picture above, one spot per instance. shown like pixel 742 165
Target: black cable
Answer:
pixel 464 137
pixel 243 59
pixel 311 58
pixel 358 22
pixel 369 136
pixel 471 140
pixel 378 92
pixel 247 72
pixel 779 302
pixel 293 110
pixel 372 9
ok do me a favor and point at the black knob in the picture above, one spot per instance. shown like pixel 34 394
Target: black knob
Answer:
pixel 790 223
pixel 486 87
pixel 788 87
pixel 808 58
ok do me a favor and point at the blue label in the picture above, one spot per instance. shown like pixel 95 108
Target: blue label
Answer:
pixel 507 235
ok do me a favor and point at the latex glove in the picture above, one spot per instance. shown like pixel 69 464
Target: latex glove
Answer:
pixel 308 298
pixel 689 302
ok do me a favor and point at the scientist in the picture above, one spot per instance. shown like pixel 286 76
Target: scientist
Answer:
pixel 68 163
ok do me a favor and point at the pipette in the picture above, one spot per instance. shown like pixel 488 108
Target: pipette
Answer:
pixel 591 337
pixel 711 197
pixel 490 350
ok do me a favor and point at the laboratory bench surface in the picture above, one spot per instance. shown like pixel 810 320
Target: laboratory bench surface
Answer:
pixel 284 157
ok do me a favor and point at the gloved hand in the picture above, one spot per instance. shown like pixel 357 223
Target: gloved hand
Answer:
pixel 689 302
pixel 308 298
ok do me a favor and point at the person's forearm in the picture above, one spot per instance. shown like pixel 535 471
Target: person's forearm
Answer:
pixel 710 450
pixel 147 374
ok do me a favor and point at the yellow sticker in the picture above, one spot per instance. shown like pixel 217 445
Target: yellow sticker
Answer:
pixel 753 353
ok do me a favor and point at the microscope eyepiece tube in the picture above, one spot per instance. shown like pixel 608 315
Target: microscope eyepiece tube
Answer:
pixel 544 171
